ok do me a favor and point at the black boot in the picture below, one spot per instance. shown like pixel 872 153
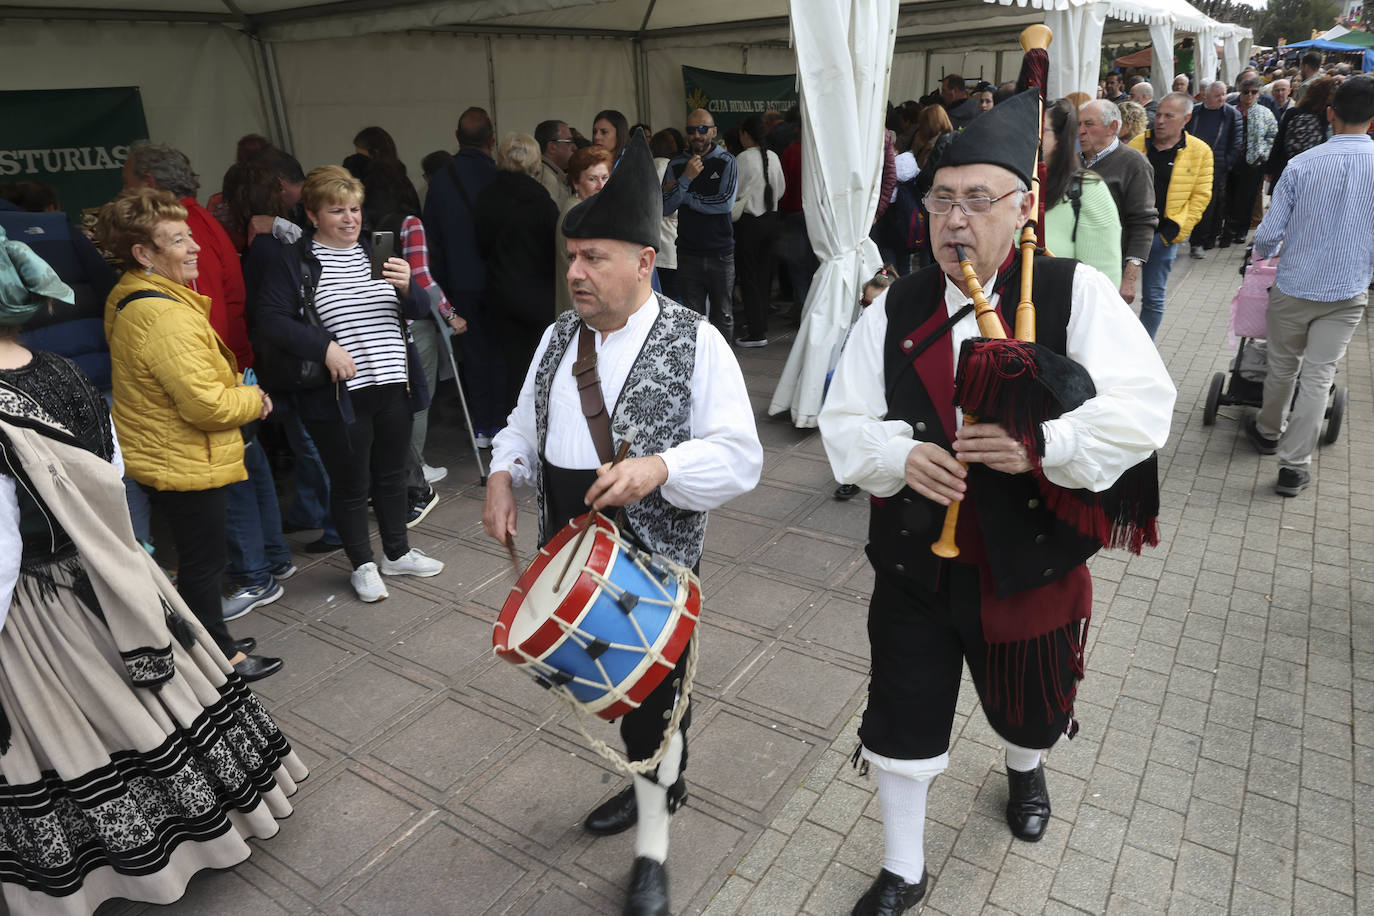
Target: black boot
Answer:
pixel 890 895
pixel 1028 803
pixel 648 892
pixel 621 811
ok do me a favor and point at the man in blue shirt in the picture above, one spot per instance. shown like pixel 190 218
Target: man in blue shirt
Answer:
pixel 1320 216
pixel 699 186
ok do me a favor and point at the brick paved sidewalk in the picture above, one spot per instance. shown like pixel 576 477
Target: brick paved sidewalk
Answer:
pixel 1217 767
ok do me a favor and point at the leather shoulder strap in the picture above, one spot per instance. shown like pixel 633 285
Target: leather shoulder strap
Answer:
pixel 589 391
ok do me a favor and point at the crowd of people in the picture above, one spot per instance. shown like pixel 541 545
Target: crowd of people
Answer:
pixel 320 302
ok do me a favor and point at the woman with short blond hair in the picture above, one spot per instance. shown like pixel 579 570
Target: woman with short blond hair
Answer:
pixel 516 219
pixel 360 420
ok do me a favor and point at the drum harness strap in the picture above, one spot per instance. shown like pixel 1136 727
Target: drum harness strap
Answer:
pixel 589 390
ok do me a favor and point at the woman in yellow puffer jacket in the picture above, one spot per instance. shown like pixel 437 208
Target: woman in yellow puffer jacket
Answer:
pixel 178 404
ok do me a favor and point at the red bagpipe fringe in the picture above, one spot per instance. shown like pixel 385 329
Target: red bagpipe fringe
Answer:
pixel 1019 385
pixel 1009 667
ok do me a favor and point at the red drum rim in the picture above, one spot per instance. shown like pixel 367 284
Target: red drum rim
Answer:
pixel 573 603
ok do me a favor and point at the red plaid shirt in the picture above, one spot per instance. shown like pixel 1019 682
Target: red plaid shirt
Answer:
pixel 416 252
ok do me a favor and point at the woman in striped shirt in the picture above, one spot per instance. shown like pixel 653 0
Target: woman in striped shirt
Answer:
pixel 361 423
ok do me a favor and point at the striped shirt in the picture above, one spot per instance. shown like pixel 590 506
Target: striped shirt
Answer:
pixel 1320 213
pixel 362 314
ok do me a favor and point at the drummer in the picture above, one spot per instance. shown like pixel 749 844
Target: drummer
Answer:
pixel 663 371
pixel 1014 605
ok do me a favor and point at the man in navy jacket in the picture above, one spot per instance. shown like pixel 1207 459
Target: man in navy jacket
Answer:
pixel 462 274
pixel 1218 125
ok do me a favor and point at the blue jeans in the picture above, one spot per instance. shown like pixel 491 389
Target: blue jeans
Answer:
pixel 311 506
pixel 709 278
pixel 253 522
pixel 1154 280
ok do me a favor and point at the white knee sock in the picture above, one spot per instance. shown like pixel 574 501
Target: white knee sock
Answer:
pixel 651 798
pixel 1022 759
pixel 904 823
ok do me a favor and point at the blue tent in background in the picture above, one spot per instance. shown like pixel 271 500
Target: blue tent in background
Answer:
pixel 1321 45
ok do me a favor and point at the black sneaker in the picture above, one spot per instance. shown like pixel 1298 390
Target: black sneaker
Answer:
pixel 1263 444
pixel 1292 481
pixel 422 499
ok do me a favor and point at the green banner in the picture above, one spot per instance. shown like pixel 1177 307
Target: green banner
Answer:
pixel 732 97
pixel 75 140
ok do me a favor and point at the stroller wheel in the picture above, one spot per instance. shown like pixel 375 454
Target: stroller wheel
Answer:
pixel 1334 415
pixel 1209 411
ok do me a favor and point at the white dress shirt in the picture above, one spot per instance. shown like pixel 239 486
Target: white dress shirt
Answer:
pixel 1088 447
pixel 722 460
pixel 750 196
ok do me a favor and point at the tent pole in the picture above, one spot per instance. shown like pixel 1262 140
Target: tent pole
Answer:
pixel 491 81
pixel 276 102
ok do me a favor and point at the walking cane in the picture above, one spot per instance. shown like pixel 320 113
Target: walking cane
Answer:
pixel 447 341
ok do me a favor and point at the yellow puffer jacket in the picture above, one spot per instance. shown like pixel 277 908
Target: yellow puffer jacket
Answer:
pixel 178 405
pixel 1190 183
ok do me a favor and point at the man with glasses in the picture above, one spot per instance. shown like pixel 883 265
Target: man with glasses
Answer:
pixel 1013 604
pixel 555 149
pixel 1128 177
pixel 1258 129
pixel 699 186
pixel 1183 187
pixel 1218 125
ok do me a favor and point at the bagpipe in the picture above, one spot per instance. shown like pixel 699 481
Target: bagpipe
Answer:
pixel 1020 384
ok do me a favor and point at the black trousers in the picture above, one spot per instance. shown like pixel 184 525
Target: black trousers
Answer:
pixel 1242 189
pixel 198 519
pixel 1213 222
pixel 642 728
pixel 920 641
pixel 754 240
pixel 368 457
pixel 707 284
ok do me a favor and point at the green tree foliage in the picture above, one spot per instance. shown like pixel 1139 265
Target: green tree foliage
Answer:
pixel 1293 20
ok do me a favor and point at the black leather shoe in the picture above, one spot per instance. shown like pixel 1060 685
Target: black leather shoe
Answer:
pixel 322 546
pixel 648 894
pixel 257 667
pixel 890 895
pixel 1225 242
pixel 1028 804
pixel 621 812
pixel 245 645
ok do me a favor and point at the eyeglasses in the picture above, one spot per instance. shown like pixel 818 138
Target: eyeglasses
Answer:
pixel 702 129
pixel 970 205
pixel 567 140
pixel 1250 92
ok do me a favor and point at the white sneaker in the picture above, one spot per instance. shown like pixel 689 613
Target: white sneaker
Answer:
pixel 413 563
pixel 368 584
pixel 433 475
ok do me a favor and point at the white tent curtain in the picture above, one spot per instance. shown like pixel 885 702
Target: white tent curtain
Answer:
pixel 1230 58
pixel 844 50
pixel 1206 56
pixel 1076 54
pixel 1162 66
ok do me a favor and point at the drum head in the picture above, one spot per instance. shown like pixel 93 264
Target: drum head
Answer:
pixel 541 599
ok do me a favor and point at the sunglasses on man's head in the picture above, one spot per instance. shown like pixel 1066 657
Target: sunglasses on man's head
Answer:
pixel 702 129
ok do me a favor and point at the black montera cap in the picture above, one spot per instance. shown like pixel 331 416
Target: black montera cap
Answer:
pixel 630 206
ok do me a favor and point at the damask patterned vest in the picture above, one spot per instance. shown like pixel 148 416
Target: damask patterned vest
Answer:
pixel 657 400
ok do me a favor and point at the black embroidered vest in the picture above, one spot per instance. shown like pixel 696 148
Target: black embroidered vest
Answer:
pixel 1026 545
pixel 657 400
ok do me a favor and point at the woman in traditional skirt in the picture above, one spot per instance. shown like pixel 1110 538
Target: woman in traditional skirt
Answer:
pixel 132 755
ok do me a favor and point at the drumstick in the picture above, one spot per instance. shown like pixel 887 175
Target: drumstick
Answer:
pixel 587 519
pixel 510 552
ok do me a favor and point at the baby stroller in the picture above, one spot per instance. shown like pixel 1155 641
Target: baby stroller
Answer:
pixel 1250 365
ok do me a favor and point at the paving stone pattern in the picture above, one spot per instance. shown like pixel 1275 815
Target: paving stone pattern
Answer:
pixel 1227 723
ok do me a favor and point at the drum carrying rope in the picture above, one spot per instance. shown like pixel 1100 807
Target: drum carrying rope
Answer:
pixel 613 756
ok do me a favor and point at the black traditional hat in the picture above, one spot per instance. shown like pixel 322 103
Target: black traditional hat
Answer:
pixel 1008 136
pixel 630 206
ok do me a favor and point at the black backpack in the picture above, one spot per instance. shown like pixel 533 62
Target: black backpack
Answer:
pixel 903 225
